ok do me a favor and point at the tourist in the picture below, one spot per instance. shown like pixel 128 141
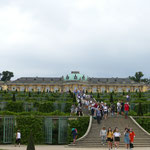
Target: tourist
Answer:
pixel 128 98
pixel 118 107
pixel 103 134
pixel 132 136
pixel 79 110
pixel 122 107
pixel 105 111
pixel 98 115
pixel 74 133
pixel 116 137
pixel 109 138
pixel 72 109
pixel 126 109
pixel 18 138
pixel 92 109
pixel 126 138
pixel 102 110
pixel 112 109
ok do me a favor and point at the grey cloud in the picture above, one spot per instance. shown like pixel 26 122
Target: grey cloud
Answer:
pixel 98 38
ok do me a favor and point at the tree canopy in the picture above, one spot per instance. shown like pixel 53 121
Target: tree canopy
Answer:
pixel 137 77
pixel 6 76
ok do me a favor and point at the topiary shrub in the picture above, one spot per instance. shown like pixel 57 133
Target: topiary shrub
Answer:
pixel 14 97
pixel 30 145
pixel 140 110
pixel 111 98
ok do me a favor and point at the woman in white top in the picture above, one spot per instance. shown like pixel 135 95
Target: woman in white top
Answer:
pixel 18 138
pixel 116 137
pixel 105 108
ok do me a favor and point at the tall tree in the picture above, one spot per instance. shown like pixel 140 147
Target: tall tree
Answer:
pixel 138 76
pixel 6 76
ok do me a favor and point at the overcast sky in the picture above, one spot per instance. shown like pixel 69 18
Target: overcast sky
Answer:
pixel 99 38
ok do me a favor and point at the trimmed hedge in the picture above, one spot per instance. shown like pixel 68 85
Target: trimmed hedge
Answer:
pixel 26 124
pixel 81 124
pixel 44 107
pixel 145 123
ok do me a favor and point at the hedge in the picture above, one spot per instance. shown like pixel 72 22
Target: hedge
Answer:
pixel 26 124
pixel 44 107
pixel 81 124
pixel 145 123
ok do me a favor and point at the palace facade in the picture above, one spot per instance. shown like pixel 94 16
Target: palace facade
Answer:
pixel 75 81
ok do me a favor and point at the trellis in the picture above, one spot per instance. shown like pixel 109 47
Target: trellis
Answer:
pixel 62 132
pixel 8 129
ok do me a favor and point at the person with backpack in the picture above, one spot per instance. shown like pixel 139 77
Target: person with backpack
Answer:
pixel 74 133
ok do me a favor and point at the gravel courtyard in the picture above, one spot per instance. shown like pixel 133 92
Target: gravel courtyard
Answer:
pixel 48 147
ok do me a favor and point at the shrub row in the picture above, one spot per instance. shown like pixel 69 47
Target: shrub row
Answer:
pixel 45 107
pixel 145 123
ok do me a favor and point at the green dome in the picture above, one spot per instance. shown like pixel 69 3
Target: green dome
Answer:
pixel 75 76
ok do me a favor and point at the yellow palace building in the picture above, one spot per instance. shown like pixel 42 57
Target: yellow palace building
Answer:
pixel 75 81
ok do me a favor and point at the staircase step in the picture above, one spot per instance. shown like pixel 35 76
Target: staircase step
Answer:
pixel 93 139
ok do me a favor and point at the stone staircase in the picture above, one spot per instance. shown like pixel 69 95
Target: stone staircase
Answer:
pixel 93 140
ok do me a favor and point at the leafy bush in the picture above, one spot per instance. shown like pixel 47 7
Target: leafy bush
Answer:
pixel 46 107
pixel 14 106
pixel 28 124
pixel 132 113
pixel 145 123
pixel 55 113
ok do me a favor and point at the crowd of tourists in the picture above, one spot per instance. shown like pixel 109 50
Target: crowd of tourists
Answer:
pixel 113 137
pixel 99 111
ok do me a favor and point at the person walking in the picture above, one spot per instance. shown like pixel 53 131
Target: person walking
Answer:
pixel 128 98
pixel 122 107
pixel 126 138
pixel 126 109
pixel 98 115
pixel 74 133
pixel 18 138
pixel 72 109
pixel 103 134
pixel 118 107
pixel 116 137
pixel 112 109
pixel 132 136
pixel 105 111
pixel 109 138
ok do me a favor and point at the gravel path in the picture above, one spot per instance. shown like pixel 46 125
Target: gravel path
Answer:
pixel 49 147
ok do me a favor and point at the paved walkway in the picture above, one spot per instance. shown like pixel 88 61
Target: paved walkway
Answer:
pixel 49 147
